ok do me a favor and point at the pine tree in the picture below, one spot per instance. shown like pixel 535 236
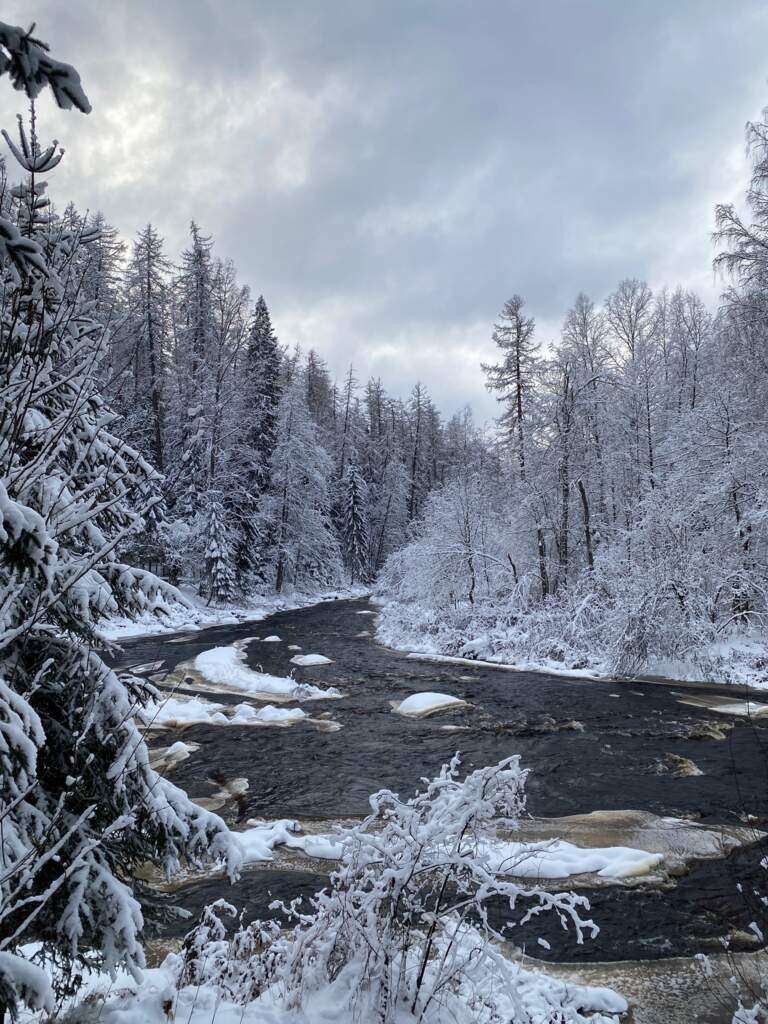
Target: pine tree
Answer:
pixel 354 524
pixel 219 577
pixel 80 806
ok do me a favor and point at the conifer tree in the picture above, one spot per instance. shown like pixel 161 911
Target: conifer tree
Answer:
pixel 80 807
pixel 306 552
pixel 251 463
pixel 354 524
pixel 194 331
pixel 219 577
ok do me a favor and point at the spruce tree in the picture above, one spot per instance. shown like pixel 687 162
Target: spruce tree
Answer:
pixel 354 524
pixel 251 462
pixel 194 332
pixel 80 806
pixel 219 577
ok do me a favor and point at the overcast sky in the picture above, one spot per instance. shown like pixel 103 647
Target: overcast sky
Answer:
pixel 388 173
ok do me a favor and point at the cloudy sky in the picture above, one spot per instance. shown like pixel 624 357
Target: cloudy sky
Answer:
pixel 388 173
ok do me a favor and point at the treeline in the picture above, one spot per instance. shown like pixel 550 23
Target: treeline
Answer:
pixel 274 475
pixel 625 521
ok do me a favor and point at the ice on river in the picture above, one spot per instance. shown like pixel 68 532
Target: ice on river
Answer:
pixel 550 859
pixel 420 704
pixel 262 837
pixel 195 711
pixel 225 666
pixel 559 859
pixel 744 708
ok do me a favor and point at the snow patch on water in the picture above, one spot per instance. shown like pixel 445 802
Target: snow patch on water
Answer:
pixel 421 704
pixel 225 666
pixel 559 859
pixel 310 659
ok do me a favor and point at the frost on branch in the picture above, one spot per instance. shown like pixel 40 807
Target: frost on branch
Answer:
pixel 403 931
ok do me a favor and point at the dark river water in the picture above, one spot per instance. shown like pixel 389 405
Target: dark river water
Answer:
pixel 609 764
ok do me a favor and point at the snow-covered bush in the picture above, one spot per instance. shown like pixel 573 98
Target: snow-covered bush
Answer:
pixel 403 931
pixel 468 583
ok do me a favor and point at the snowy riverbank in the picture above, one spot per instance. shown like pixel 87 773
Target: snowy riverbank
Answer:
pixel 196 614
pixel 485 633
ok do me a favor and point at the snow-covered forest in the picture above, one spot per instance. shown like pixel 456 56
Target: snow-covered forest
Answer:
pixel 163 450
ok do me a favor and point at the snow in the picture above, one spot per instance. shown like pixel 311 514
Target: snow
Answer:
pixel 559 859
pixel 420 704
pixel 182 711
pixel 175 711
pixel 225 666
pixel 310 659
pixel 269 713
pixel 271 639
pixel 262 837
pixel 532 666
pixel 125 1000
pixel 746 708
pixel 27 981
pixel 199 615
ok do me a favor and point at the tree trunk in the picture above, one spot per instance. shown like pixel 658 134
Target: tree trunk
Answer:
pixel 587 527
pixel 542 546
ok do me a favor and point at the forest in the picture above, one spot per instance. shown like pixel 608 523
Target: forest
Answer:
pixel 166 456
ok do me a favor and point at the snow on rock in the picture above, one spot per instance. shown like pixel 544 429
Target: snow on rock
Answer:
pixel 195 711
pixel 166 758
pixel 559 859
pixel 272 639
pixel 293 647
pixel 182 711
pixel 262 837
pixel 310 659
pixel 225 666
pixel 245 713
pixel 418 705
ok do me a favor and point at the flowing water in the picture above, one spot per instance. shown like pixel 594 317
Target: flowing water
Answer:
pixel 591 746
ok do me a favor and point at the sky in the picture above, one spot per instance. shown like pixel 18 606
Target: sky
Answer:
pixel 387 174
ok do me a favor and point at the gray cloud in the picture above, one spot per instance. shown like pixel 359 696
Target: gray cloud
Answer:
pixel 388 173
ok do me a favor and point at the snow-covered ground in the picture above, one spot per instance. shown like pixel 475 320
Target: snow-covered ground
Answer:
pixel 159 996
pixel 428 633
pixel 199 615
